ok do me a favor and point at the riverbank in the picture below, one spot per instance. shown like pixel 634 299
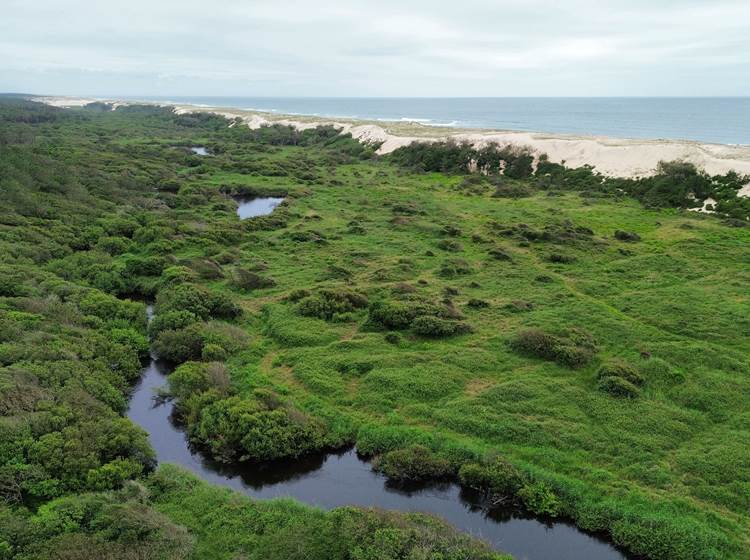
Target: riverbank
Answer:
pixel 610 156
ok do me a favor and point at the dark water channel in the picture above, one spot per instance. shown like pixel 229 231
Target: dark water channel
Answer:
pixel 336 479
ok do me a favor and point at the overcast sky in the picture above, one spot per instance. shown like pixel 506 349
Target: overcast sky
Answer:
pixel 376 48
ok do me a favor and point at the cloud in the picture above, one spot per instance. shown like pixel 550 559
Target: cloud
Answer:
pixel 420 47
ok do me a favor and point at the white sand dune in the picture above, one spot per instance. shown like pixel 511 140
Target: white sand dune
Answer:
pixel 610 156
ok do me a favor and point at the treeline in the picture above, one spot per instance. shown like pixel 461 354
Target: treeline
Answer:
pixel 675 184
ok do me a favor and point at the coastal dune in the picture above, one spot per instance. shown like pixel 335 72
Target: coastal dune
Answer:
pixel 610 156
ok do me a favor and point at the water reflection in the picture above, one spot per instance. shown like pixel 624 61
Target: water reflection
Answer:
pixel 251 207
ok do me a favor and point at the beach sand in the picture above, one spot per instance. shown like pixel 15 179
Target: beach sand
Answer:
pixel 610 156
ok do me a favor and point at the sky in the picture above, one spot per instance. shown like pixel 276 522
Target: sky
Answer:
pixel 432 48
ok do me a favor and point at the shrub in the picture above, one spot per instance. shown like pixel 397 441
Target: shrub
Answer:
pixel 247 280
pixel 500 254
pixel 213 353
pixel 627 236
pixel 176 275
pixel 519 305
pixel 179 345
pixel 414 463
pixel 246 429
pixel 617 368
pixel 559 258
pixel 222 306
pixel 171 320
pixel 113 245
pixel 497 478
pixel 514 190
pixel 392 338
pixel 431 326
pixel 128 336
pixel 540 499
pixel 184 297
pixel 326 303
pixel 401 314
pixel 194 377
pixel 298 294
pixel 207 269
pixel 196 300
pixel 575 348
pixel 618 387
pixel 453 231
pixel 454 267
pixel 450 245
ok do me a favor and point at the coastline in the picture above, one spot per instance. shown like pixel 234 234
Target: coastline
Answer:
pixel 610 156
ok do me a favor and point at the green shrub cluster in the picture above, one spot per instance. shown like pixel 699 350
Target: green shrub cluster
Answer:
pixel 502 482
pixel 413 464
pixel 627 235
pixel 248 280
pixel 453 157
pixel 620 379
pixel 199 340
pixel 573 348
pixel 328 303
pixel 424 318
pixel 437 327
pixel 252 429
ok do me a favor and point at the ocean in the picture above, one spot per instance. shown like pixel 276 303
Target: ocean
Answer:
pixel 723 120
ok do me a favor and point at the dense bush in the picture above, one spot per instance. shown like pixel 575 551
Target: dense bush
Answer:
pixel 450 245
pixel 237 429
pixel 540 499
pixel 431 326
pixel 194 377
pixel 413 463
pixel 400 314
pixel 618 387
pixel 170 320
pixel 179 345
pixel 573 348
pixel 626 235
pixel 496 477
pixel 452 157
pixel 196 300
pixel 248 280
pixel 326 303
pixel 559 258
pixel 619 368
pixel 208 341
pixel 454 267
pixel 500 254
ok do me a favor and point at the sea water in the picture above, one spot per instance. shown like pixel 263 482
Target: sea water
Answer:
pixel 723 120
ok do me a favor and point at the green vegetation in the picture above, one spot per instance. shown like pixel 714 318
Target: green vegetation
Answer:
pixel 569 343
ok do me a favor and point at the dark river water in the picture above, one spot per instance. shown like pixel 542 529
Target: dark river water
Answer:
pixel 337 479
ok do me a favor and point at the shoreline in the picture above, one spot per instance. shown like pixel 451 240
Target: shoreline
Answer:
pixel 615 157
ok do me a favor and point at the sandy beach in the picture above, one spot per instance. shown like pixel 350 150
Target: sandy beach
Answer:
pixel 610 156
